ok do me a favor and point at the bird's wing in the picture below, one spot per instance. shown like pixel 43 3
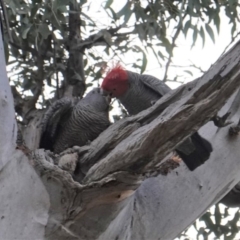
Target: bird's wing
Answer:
pixel 53 120
pixel 155 84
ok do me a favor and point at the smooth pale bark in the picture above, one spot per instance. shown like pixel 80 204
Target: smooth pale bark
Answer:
pixel 24 199
pixel 8 127
pixel 122 194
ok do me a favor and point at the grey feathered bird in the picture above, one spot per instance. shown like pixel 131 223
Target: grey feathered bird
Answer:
pixel 69 122
pixel 137 92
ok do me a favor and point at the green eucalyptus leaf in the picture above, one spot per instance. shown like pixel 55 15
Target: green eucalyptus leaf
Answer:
pixel 161 55
pixel 44 30
pixel 188 72
pixel 88 18
pixel 202 34
pixel 126 12
pixel 12 5
pixel 210 32
pixel 167 45
pixel 144 58
pixel 195 34
pixel 186 27
pixel 60 3
pixel 82 2
pixel 108 3
pixel 63 9
pixel 27 84
pixel 34 11
pixel 25 31
pixel 114 15
pixel 6 51
pixel 217 21
pixel 233 29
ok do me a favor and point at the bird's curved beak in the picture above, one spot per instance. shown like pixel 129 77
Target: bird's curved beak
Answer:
pixel 108 98
pixel 104 92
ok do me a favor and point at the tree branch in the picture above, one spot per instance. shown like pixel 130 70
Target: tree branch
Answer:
pixel 75 68
pixel 25 48
pixel 97 38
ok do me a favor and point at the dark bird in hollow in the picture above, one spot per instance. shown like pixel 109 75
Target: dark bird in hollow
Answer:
pixel 70 122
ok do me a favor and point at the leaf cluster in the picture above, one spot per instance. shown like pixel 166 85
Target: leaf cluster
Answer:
pixel 38 42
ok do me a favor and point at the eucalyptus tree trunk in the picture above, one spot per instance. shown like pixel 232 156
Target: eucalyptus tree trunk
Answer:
pixel 125 184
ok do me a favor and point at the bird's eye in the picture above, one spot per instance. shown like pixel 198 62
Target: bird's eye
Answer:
pixel 110 94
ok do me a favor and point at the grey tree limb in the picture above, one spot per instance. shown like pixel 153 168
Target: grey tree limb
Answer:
pixel 75 78
pixel 8 126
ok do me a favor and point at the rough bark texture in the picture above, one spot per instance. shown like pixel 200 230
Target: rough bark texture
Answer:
pixel 75 78
pixel 121 193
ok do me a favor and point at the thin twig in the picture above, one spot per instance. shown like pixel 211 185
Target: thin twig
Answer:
pixel 55 62
pixel 232 41
pixel 26 48
pixel 179 27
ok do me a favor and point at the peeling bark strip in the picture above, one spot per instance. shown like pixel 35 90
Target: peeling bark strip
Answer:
pixel 149 136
